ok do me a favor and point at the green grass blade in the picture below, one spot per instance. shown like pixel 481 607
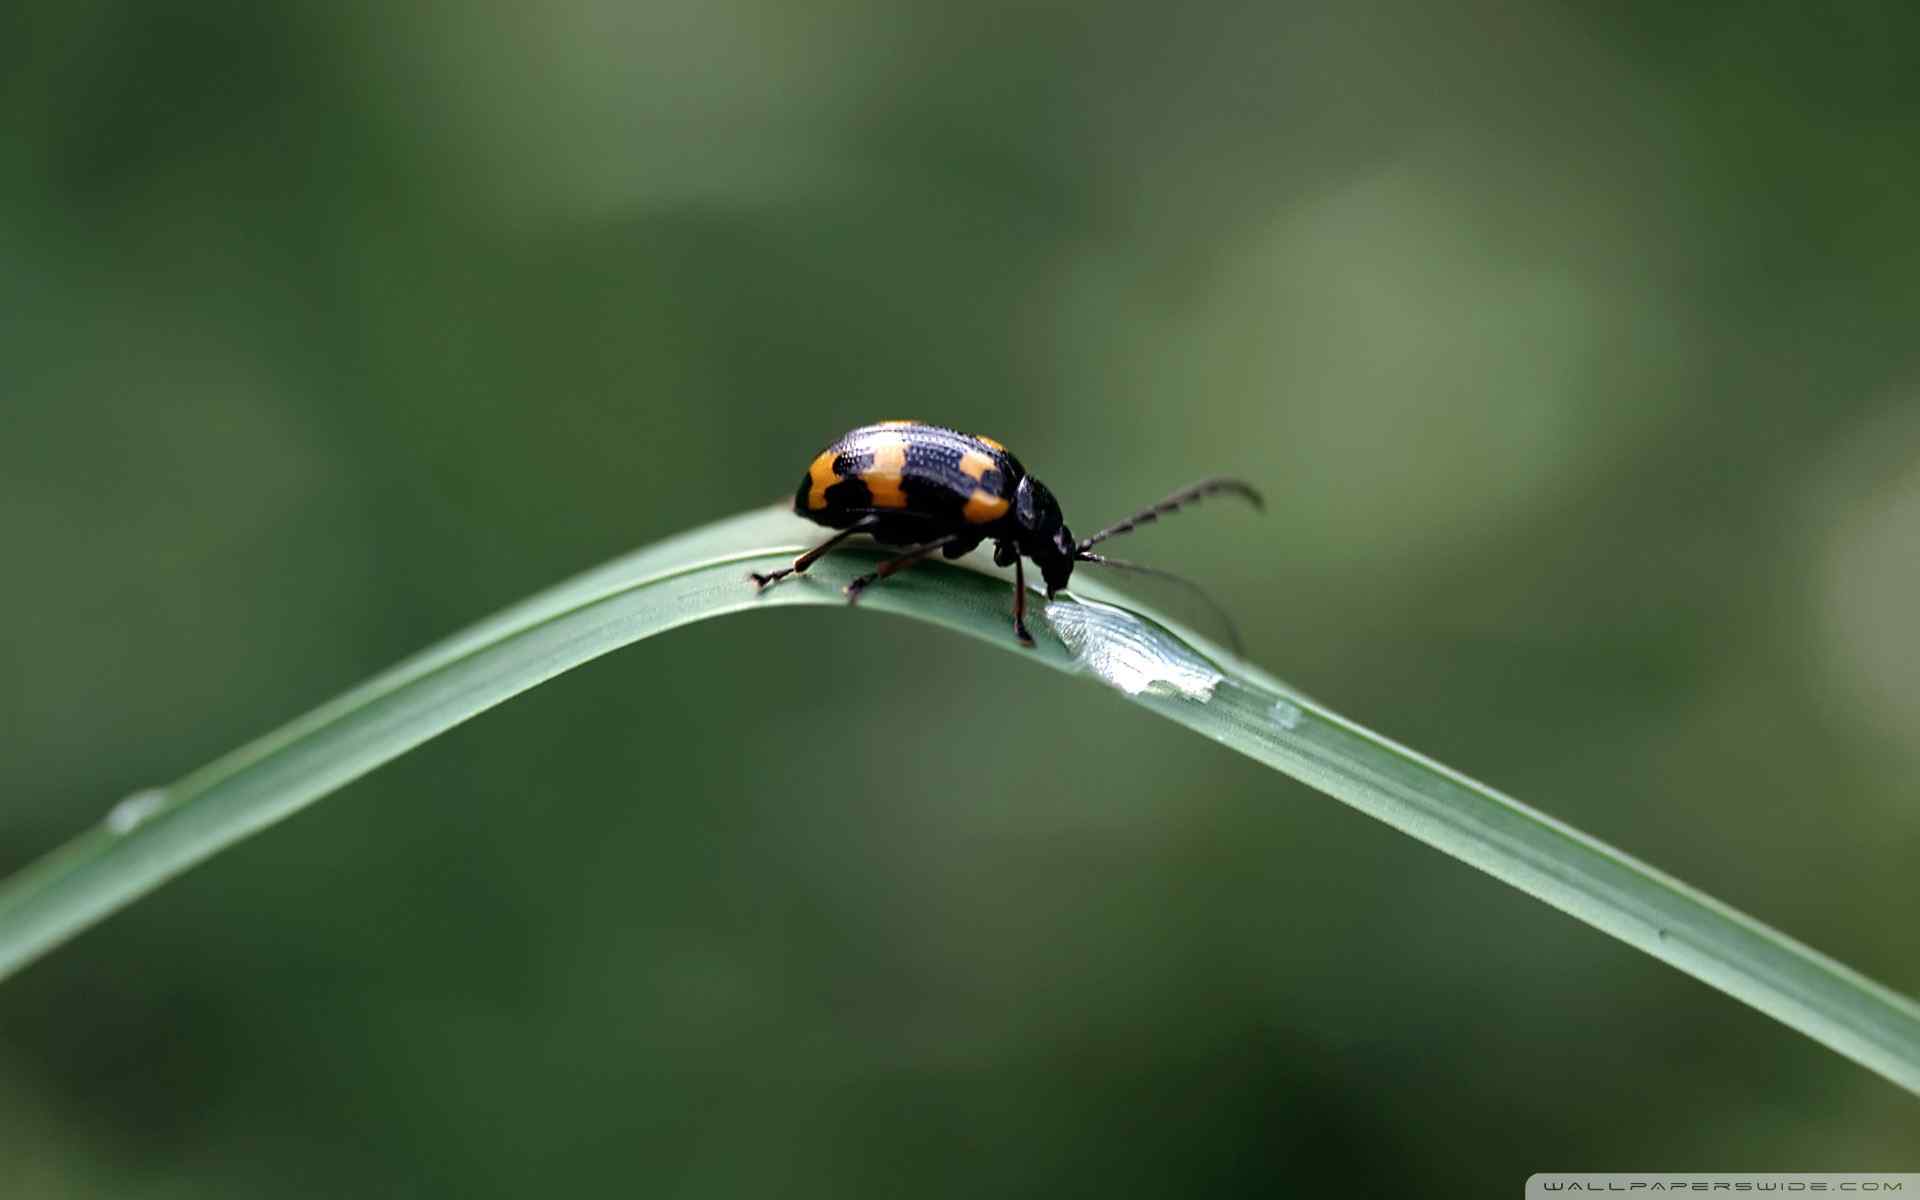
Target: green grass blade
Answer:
pixel 153 836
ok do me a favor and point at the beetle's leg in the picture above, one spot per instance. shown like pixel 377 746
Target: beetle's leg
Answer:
pixel 806 560
pixel 1020 603
pixel 894 564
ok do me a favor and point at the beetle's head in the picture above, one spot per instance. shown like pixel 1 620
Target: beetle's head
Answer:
pixel 1044 536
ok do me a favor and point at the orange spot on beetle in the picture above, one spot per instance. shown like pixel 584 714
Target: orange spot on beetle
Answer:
pixel 823 476
pixel 982 508
pixel 984 440
pixel 976 464
pixel 883 477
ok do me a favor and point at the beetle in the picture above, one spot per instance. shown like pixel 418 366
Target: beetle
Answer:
pixel 927 488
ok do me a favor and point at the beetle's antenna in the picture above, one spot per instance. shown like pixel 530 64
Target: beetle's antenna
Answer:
pixel 1186 495
pixel 1233 631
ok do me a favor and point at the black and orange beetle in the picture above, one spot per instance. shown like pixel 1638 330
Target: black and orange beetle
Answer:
pixel 904 483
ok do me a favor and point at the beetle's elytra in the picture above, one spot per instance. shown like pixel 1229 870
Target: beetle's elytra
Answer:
pixel 928 488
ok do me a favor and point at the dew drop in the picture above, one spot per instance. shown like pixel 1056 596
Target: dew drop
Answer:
pixel 134 811
pixel 1129 653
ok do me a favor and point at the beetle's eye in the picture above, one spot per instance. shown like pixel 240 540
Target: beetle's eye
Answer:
pixel 1063 542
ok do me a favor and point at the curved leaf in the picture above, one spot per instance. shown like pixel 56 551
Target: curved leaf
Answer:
pixel 155 835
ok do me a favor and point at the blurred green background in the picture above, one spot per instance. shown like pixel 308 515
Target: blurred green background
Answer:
pixel 1575 352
